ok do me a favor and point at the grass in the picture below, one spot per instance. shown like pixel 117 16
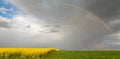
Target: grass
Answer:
pixel 83 55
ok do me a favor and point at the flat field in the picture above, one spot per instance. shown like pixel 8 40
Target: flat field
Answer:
pixel 53 53
pixel 107 54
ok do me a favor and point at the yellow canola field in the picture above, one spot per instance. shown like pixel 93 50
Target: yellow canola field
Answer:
pixel 26 51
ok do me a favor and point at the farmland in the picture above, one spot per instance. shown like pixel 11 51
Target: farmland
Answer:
pixel 83 55
pixel 53 53
pixel 24 53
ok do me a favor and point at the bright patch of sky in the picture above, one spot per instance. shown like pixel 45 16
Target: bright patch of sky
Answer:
pixel 7 10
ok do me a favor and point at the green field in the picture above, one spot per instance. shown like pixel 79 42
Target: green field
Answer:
pixel 83 55
pixel 65 54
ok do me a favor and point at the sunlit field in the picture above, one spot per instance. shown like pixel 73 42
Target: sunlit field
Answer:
pixel 24 53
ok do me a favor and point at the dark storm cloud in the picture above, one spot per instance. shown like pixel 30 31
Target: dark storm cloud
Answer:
pixel 104 8
pixel 107 10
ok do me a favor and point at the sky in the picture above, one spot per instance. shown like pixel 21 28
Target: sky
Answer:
pixel 64 24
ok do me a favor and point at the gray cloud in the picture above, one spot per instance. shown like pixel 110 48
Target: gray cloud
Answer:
pixel 28 26
pixel 104 8
pixel 4 22
pixel 111 41
pixel 77 29
pixel 107 10
pixel 114 24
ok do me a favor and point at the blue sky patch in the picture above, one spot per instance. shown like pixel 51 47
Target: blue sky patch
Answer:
pixel 8 10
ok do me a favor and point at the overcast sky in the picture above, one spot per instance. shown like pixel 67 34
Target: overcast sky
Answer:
pixel 64 24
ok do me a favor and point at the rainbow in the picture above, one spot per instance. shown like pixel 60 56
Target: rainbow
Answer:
pixel 99 19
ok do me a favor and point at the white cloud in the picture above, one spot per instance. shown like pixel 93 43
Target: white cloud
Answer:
pixel 29 24
pixel 24 32
pixel 113 22
pixel 3 10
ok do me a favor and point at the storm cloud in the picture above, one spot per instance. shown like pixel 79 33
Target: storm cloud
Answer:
pixel 66 24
